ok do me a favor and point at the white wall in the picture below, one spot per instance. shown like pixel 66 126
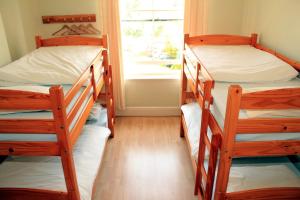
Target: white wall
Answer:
pixel 23 20
pixel 13 24
pixel 4 50
pixel 224 16
pixel 152 97
pixel 66 7
pixel 277 22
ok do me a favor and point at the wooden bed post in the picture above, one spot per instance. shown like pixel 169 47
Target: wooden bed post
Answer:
pixel 230 126
pixel 111 87
pixel 38 41
pixel 183 98
pixel 105 41
pixel 62 132
pixel 108 96
pixel 183 87
pixel 253 39
pixel 110 100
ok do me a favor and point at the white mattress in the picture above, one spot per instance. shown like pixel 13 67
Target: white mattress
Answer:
pixel 220 92
pixel 46 172
pixel 249 173
pixel 218 109
pixel 192 115
pixel 40 115
pixel 266 173
pixel 100 119
pixel 241 63
pixel 49 65
pixel 47 114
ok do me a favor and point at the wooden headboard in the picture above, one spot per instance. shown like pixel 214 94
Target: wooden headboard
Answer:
pixel 220 40
pixel 71 41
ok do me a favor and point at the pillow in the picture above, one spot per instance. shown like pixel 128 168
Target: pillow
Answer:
pixel 98 115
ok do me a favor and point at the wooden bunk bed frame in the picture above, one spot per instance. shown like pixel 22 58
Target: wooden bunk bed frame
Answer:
pixel 224 141
pixel 190 91
pixel 57 102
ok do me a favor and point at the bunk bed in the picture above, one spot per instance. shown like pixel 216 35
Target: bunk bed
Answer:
pixel 52 153
pixel 244 127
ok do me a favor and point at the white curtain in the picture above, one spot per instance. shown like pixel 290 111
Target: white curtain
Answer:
pixel 110 16
pixel 195 17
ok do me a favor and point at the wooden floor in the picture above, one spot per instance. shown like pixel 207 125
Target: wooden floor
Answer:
pixel 146 160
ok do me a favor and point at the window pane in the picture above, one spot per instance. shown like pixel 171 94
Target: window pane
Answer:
pixel 152 35
pixel 168 4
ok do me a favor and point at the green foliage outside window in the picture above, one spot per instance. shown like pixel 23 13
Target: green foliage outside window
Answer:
pixel 170 50
pixel 133 32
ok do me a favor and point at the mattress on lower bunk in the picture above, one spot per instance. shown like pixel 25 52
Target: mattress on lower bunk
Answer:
pixel 192 115
pixel 98 116
pixel 97 112
pixel 47 173
pixel 218 108
pixel 255 173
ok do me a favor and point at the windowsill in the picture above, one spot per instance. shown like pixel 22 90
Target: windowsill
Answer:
pixel 175 76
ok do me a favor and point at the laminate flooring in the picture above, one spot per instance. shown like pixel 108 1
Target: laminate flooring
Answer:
pixel 147 159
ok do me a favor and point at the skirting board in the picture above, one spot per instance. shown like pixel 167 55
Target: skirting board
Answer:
pixel 149 111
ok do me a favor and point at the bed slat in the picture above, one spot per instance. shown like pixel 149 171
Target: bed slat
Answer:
pixel 29 148
pixel 78 104
pixel 77 86
pixel 24 100
pixel 44 126
pixel 266 148
pixel 75 132
pixel 278 193
pixel 272 125
pixel 288 98
pixel 30 194
pixel 99 86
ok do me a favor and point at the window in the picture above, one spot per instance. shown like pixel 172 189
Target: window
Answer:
pixel 152 37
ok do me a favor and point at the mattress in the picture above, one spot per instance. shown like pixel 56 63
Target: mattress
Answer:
pixel 192 114
pixel 240 63
pixel 259 173
pixel 99 119
pixel 50 65
pixel 48 115
pixel 47 173
pixel 254 173
pixel 218 109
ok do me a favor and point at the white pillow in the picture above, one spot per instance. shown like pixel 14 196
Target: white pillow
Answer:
pixel 243 63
